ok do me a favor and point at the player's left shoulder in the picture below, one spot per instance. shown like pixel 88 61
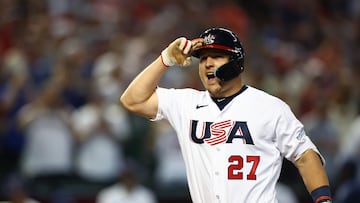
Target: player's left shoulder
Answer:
pixel 264 97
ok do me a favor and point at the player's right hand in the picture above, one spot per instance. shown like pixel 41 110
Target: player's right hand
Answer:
pixel 179 52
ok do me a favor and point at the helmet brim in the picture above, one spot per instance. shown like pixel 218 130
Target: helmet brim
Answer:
pixel 196 53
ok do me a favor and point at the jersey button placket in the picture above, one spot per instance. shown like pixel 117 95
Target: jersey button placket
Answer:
pixel 218 173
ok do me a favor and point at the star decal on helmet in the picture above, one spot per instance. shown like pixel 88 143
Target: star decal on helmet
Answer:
pixel 209 39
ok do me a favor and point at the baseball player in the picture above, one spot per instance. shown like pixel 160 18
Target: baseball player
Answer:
pixel 233 136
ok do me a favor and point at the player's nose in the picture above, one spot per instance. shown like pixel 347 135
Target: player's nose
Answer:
pixel 209 62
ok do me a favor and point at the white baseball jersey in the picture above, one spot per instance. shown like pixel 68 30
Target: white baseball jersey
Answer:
pixel 233 155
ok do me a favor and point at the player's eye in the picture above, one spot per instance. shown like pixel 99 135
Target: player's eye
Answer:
pixel 203 58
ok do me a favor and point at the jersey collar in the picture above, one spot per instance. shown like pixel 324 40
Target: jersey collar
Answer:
pixel 222 102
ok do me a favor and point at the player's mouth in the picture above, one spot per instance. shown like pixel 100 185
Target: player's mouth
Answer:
pixel 210 75
pixel 211 79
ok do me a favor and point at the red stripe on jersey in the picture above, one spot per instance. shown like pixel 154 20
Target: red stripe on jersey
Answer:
pixel 218 142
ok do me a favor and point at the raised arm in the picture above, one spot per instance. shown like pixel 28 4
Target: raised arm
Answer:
pixel 140 96
pixel 314 176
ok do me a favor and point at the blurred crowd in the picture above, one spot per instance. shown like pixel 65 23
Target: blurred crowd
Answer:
pixel 64 64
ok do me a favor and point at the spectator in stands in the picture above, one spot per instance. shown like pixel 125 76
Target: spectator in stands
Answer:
pixel 128 189
pixel 48 149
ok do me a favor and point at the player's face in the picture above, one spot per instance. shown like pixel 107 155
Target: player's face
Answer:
pixel 210 60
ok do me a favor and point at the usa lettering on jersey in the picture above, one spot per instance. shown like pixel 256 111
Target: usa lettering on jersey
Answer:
pixel 220 132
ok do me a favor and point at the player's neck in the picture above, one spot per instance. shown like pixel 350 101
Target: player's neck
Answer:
pixel 222 102
pixel 229 88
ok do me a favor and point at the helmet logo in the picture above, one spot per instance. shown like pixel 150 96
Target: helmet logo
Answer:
pixel 210 39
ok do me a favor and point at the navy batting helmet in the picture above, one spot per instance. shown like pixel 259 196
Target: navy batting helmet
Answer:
pixel 226 40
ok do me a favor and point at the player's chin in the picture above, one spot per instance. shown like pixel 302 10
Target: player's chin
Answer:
pixel 213 89
pixel 213 82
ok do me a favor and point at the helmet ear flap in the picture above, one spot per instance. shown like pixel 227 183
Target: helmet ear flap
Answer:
pixel 239 62
pixel 231 69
